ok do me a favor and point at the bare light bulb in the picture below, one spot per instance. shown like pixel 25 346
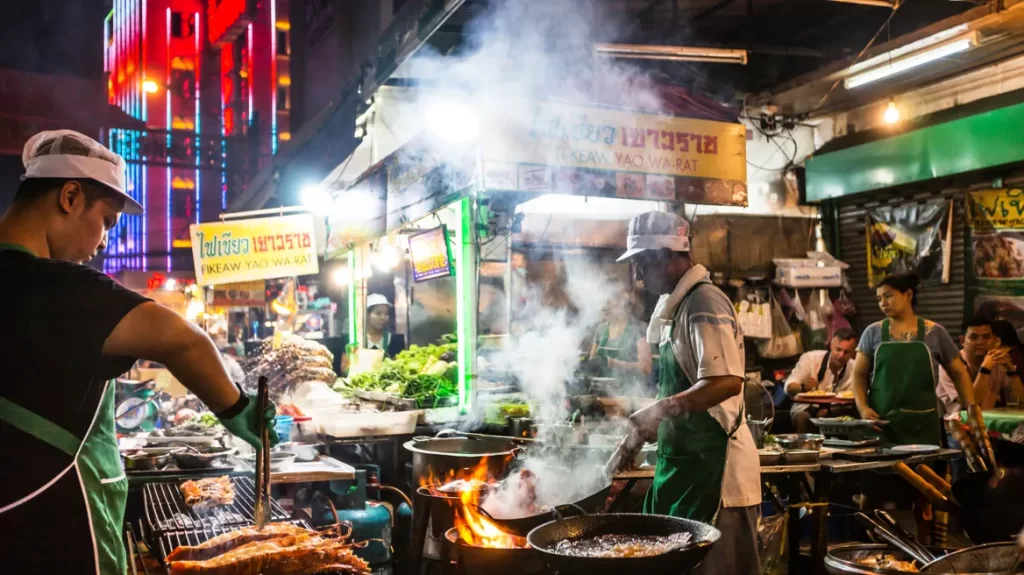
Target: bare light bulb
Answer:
pixel 892 113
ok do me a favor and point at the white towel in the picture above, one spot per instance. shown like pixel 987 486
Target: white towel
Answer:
pixel 664 311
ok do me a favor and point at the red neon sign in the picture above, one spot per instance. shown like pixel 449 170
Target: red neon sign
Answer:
pixel 227 19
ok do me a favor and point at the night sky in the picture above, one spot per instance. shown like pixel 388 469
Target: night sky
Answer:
pixel 53 36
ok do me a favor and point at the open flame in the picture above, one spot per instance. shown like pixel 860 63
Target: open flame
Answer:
pixel 475 529
pixel 465 489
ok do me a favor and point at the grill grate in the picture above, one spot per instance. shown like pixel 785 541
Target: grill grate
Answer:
pixel 170 541
pixel 166 511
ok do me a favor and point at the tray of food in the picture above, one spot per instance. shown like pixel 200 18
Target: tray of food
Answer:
pixel 246 549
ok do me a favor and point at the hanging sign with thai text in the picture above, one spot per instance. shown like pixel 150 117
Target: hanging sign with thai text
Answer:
pixel 590 150
pixel 255 249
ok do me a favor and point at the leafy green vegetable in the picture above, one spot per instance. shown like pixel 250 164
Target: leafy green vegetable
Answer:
pixel 417 373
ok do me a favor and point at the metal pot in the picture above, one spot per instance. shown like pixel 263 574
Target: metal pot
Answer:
pixel 438 457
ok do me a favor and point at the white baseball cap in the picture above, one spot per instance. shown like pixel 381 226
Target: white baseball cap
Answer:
pixel 70 154
pixel 656 230
pixel 376 299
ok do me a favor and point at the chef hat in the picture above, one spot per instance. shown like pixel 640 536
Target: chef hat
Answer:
pixel 69 154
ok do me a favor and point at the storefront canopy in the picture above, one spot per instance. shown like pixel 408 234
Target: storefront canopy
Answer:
pixel 975 142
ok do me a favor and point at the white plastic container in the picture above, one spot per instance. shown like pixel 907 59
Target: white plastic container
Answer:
pixel 343 425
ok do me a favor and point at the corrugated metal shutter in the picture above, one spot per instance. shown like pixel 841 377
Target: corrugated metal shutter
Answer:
pixel 940 303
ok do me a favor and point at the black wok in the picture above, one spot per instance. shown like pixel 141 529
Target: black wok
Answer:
pixel 521 526
pixel 547 536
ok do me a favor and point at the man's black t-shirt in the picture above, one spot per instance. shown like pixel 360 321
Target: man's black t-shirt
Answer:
pixel 54 318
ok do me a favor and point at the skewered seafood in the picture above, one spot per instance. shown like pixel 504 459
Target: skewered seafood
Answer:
pixel 304 553
pixel 296 361
pixel 227 541
pixel 203 494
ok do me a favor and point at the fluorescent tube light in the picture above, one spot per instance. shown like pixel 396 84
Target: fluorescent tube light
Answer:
pixel 910 61
pixel 676 53
pixel 890 4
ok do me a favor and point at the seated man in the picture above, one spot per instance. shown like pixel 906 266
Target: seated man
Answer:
pixel 825 370
pixel 988 361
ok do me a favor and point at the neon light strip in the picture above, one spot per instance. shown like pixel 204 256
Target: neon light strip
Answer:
pixel 273 76
pixel 248 63
pixel 465 302
pixel 145 97
pixel 353 335
pixel 196 144
pixel 168 96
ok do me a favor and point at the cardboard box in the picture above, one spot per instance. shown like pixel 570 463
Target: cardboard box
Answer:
pixel 809 277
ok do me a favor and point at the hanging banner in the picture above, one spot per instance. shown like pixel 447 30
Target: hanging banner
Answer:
pixel 909 238
pixel 996 220
pixel 589 150
pixel 263 248
pixel 995 254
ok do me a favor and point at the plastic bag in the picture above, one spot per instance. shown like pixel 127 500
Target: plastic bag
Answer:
pixel 798 307
pixel 816 332
pixel 771 544
pixel 782 343
pixel 754 318
pixel 843 305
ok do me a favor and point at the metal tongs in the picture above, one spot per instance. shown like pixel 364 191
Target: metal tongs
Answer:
pixel 261 512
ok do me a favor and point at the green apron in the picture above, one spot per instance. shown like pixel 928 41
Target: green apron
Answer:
pixel 903 389
pixel 691 451
pixel 612 349
pixel 98 465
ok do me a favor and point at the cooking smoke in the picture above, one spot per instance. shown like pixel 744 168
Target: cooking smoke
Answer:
pixel 518 53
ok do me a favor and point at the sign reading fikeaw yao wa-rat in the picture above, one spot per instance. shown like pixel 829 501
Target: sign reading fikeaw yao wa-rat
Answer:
pixel 256 249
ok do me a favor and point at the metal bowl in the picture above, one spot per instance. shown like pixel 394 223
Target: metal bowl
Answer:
pixel 842 559
pixel 210 457
pixel 304 452
pixel 801 441
pixel 278 460
pixel 978 560
pixel 148 459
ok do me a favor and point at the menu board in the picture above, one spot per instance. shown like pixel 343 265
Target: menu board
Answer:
pixel 430 255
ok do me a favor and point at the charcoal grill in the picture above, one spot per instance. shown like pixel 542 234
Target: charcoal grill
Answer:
pixel 166 512
pixel 170 541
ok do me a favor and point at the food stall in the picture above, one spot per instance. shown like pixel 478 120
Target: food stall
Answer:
pixel 447 215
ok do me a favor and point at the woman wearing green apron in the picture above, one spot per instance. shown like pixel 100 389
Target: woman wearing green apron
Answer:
pixel 895 374
pixel 621 344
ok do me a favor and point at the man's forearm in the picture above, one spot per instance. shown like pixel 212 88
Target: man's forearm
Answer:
pixel 980 387
pixel 199 368
pixel 706 394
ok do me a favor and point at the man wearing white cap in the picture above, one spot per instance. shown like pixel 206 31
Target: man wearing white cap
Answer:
pixel 68 331
pixel 708 468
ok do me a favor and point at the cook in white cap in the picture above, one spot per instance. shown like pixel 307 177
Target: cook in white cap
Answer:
pixel 69 330
pixel 708 468
pixel 378 317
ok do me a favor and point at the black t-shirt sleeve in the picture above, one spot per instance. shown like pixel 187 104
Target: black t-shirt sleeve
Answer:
pixel 93 307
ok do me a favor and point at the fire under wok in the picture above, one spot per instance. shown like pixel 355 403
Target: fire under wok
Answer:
pixel 522 526
pixel 545 539
pixel 554 491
